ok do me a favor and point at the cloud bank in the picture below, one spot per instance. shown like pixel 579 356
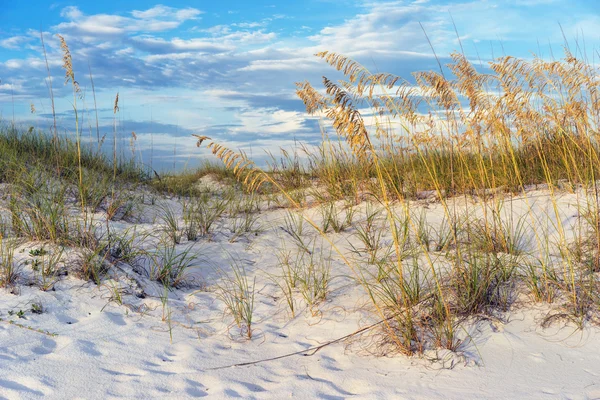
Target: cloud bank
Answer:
pixel 234 80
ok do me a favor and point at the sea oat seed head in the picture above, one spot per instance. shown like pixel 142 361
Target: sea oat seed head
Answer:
pixel 68 64
pixel 116 107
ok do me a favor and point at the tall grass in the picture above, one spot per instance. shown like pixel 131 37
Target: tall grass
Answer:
pixel 237 293
pixel 470 140
pixel 22 147
pixel 9 270
pixel 473 133
pixel 170 266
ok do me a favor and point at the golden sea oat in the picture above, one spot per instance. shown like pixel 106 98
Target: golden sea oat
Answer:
pixel 243 168
pixel 116 106
pixel 68 64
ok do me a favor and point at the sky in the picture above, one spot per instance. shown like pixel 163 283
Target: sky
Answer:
pixel 227 69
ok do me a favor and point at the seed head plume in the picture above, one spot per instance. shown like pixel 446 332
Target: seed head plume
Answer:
pixel 313 100
pixel 116 106
pixel 365 81
pixel 339 107
pixel 347 120
pixel 200 139
pixel 244 169
pixel 68 64
pixel 132 141
pixel 439 88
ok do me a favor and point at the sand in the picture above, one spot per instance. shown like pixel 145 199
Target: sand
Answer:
pixel 86 345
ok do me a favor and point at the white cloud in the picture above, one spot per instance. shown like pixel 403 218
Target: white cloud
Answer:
pixel 14 42
pixel 269 121
pixel 291 64
pixel 9 86
pixel 34 63
pixel 176 45
pixel 163 11
pixel 125 51
pixel 386 27
pixel 163 141
pixel 71 12
pixel 239 77
pixel 253 37
pixel 249 24
pixel 156 19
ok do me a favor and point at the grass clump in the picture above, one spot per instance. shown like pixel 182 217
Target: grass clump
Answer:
pixel 440 137
pixel 237 293
pixel 170 266
pixel 464 143
pixel 201 213
pixel 9 269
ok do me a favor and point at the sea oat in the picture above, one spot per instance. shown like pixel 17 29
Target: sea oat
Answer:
pixel 116 106
pixel 68 64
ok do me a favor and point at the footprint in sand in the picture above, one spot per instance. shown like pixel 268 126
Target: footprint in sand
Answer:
pixel 88 347
pixel 47 346
pixel 116 318
pixel 124 371
pixel 19 388
pixel 195 389
pixel 6 357
pixel 253 387
pixel 232 393
pixel 330 364
pixel 65 319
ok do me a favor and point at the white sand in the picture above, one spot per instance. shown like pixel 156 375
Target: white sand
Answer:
pixel 105 350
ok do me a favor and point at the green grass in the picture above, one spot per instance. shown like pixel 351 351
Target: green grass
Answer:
pixel 28 147
pixel 185 183
pixel 423 280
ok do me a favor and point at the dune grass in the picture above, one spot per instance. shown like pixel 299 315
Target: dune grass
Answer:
pixel 528 123
pixel 473 144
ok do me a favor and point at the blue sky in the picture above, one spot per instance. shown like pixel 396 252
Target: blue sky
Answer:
pixel 227 68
